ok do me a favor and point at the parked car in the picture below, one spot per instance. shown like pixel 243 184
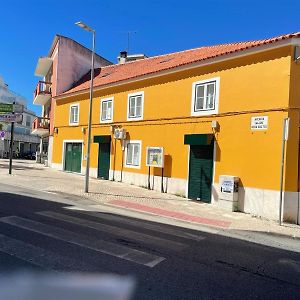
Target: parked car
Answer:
pixel 28 155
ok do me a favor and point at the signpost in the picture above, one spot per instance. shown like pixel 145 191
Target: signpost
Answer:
pixel 11 113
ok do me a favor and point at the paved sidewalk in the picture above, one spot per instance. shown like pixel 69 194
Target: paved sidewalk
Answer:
pixel 28 174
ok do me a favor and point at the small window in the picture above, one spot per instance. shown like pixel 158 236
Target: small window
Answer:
pixel 133 154
pixel 135 106
pixel 74 114
pixel 107 110
pixel 205 97
pixel 28 121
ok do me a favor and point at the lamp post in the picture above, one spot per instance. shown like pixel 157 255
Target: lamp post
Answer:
pixel 87 171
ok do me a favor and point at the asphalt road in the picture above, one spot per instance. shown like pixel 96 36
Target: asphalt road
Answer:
pixel 167 262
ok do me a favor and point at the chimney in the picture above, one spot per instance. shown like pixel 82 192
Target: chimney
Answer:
pixel 122 58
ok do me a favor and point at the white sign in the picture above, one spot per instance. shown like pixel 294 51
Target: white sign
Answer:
pixel 227 186
pixel 155 157
pixel 18 108
pixel 259 123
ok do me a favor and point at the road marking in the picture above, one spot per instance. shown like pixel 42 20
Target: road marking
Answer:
pixel 112 249
pixel 143 224
pixel 124 233
pixel 39 256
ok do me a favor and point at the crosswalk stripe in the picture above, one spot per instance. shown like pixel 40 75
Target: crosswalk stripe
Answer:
pixel 39 256
pixel 143 224
pixel 112 249
pixel 124 233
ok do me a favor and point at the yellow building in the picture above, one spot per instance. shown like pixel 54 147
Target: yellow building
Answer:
pixel 216 110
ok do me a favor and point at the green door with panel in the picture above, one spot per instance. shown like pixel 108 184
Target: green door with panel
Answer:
pixel 200 172
pixel 104 160
pixel 73 155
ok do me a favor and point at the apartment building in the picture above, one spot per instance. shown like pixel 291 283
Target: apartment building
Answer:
pixel 215 111
pixel 66 62
pixel 24 142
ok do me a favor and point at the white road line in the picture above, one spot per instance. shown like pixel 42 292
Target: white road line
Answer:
pixel 124 233
pixel 143 224
pixel 39 256
pixel 112 249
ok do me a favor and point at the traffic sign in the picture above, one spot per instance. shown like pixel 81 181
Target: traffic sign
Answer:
pixel 11 118
pixel 18 108
pixel 2 134
pixel 9 108
pixel 6 107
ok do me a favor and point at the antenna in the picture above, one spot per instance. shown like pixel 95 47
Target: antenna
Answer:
pixel 129 33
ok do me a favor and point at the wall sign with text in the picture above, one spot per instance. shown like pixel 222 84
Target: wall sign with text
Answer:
pixel 259 123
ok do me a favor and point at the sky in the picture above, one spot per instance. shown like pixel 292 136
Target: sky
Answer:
pixel 157 27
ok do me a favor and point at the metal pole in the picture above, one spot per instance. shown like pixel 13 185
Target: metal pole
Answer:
pixel 284 138
pixel 87 172
pixel 162 180
pixel 11 147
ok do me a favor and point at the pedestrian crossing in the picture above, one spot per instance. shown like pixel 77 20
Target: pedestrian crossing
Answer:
pixel 157 239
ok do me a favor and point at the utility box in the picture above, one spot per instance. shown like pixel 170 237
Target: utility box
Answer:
pixel 229 192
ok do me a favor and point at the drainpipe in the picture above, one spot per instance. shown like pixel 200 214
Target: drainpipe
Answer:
pixel 284 139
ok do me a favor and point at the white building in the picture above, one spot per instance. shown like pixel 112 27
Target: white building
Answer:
pixel 24 142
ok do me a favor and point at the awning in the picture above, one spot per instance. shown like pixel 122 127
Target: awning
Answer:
pixel 102 138
pixel 198 139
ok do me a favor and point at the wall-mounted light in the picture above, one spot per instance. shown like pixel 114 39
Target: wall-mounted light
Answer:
pixel 55 130
pixel 83 129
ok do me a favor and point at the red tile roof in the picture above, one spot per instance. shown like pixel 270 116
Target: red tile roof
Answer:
pixel 130 70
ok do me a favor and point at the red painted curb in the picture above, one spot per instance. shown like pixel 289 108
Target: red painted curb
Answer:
pixel 169 213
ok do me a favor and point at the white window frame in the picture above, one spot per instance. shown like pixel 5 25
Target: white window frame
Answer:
pixel 216 106
pixel 112 110
pixel 73 123
pixel 140 154
pixel 141 93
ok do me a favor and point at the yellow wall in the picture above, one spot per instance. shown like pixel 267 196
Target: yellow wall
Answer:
pixel 249 86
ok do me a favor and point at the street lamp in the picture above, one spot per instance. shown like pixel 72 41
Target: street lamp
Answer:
pixel 87 171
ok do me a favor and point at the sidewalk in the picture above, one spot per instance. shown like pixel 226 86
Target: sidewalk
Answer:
pixel 117 195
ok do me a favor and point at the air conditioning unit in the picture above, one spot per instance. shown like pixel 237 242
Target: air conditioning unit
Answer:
pixel 120 134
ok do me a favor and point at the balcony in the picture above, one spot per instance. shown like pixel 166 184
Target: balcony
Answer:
pixel 41 126
pixel 43 66
pixel 42 93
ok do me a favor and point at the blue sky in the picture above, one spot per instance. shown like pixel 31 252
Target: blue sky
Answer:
pixel 28 28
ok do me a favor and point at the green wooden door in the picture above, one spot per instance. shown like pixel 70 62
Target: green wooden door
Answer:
pixel 68 157
pixel 200 172
pixel 76 159
pixel 104 160
pixel 73 155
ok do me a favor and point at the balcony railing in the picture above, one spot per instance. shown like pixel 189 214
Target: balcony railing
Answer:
pixel 42 92
pixel 40 126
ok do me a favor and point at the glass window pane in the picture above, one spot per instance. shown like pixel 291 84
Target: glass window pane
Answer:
pixel 136 154
pixel 200 91
pixel 108 114
pixel 132 107
pixel 129 154
pixel 210 95
pixel 199 101
pixel 103 114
